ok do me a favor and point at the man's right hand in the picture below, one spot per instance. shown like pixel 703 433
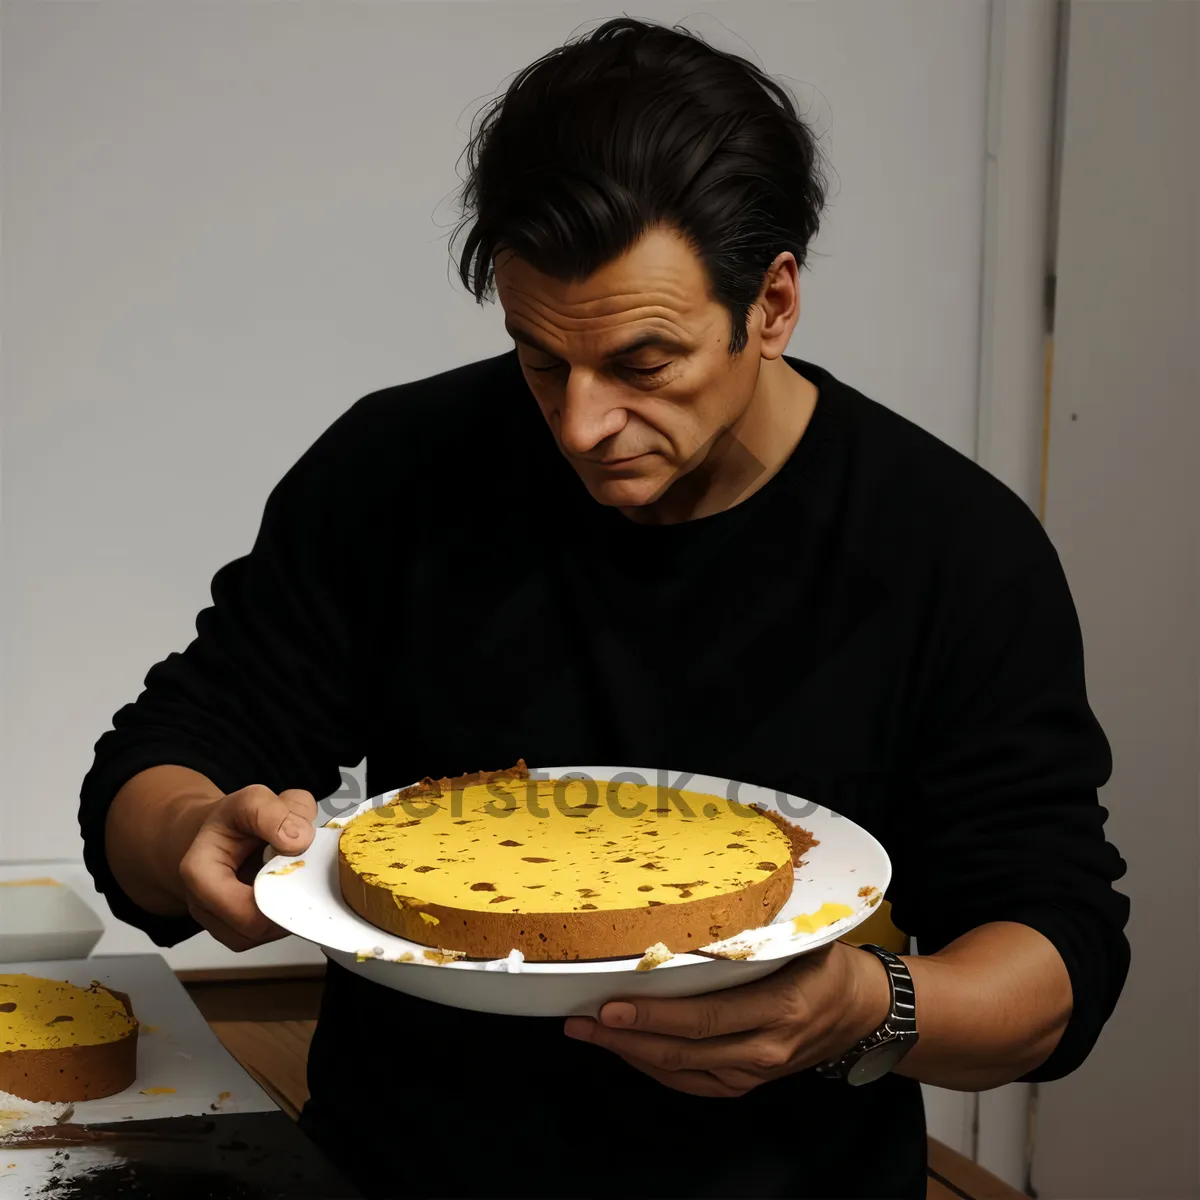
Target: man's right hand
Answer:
pixel 218 866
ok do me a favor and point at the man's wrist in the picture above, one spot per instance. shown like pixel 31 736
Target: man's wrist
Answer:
pixel 185 815
pixel 179 818
pixel 150 824
pixel 871 995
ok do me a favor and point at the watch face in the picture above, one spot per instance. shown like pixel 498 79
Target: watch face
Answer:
pixel 878 1061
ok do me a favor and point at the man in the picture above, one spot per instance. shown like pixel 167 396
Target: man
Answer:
pixel 764 576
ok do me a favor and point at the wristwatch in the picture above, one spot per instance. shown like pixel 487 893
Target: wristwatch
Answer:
pixel 879 1052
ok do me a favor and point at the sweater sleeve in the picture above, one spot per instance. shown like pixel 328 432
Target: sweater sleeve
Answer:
pixel 269 691
pixel 1006 823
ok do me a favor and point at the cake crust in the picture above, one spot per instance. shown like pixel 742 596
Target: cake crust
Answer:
pixel 800 840
pixel 430 788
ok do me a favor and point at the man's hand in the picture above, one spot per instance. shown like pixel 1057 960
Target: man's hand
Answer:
pixel 217 867
pixel 726 1043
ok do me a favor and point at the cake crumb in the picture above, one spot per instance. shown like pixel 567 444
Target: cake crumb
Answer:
pixel 828 914
pixel 294 866
pixel 441 956
pixel 655 956
pixel 735 953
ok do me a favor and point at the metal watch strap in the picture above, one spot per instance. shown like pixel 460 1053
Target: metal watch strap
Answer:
pixel 899 1024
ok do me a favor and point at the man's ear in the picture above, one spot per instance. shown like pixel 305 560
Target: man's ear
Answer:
pixel 779 303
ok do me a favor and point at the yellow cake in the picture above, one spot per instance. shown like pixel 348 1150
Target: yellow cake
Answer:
pixel 564 869
pixel 59 1042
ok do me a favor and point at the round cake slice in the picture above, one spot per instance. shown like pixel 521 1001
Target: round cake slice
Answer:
pixel 564 869
pixel 59 1042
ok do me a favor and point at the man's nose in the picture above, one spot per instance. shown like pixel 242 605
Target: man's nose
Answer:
pixel 590 412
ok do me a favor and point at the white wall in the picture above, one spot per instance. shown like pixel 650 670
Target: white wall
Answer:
pixel 1122 507
pixel 221 226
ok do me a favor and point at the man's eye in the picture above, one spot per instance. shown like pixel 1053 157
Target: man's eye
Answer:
pixel 647 372
pixel 552 367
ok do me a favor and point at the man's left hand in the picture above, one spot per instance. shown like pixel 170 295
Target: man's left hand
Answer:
pixel 726 1043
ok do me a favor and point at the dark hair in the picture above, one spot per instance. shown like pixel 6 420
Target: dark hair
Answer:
pixel 631 126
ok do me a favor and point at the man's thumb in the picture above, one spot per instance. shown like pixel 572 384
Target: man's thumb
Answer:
pixel 285 820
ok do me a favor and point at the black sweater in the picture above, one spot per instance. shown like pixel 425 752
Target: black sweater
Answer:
pixel 882 628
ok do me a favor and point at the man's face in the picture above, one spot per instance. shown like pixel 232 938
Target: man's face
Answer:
pixel 631 366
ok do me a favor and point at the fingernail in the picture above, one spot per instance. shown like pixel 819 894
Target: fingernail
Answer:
pixel 292 828
pixel 618 1013
pixel 579 1028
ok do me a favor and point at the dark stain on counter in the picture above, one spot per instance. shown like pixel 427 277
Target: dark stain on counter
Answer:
pixel 230 1156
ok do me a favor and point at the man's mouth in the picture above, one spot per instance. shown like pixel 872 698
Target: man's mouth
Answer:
pixel 616 462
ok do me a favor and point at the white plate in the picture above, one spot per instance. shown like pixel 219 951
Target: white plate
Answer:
pixel 847 867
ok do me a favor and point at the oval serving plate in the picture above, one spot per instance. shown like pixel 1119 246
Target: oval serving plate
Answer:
pixel 847 867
